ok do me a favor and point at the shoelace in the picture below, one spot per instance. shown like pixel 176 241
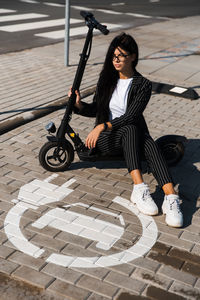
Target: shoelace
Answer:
pixel 176 203
pixel 146 195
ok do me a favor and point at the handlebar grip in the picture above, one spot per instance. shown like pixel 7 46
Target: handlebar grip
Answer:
pixel 103 29
pixel 88 16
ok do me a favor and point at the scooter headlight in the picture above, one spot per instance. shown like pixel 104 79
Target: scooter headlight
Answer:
pixel 50 127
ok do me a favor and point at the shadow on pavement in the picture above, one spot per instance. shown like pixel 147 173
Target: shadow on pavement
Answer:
pixel 185 174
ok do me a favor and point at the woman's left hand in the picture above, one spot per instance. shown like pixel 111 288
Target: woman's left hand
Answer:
pixel 93 136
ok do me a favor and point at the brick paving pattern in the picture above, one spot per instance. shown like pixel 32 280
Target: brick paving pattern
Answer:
pixel 171 268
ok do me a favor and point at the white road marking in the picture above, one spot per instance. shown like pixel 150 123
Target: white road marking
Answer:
pixel 14 233
pixel 77 31
pixel 61 260
pixel 30 1
pixel 106 233
pixel 54 4
pixel 50 178
pixel 60 34
pixel 145 243
pixel 36 184
pixel 5 11
pixel 154 1
pixel 81 8
pixel 36 25
pixel 138 15
pixel 69 182
pixel 21 17
pixel 117 4
pixel 57 34
pixel 81 225
pixel 107 11
pixel 28 194
pixel 12 220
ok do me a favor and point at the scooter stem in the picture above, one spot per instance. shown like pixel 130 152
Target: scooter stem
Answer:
pixel 76 84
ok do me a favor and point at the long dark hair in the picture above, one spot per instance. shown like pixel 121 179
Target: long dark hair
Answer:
pixel 109 76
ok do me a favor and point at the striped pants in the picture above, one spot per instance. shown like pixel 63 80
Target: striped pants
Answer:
pixel 135 146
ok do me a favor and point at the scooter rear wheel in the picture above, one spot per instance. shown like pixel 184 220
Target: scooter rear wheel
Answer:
pixel 56 158
pixel 172 147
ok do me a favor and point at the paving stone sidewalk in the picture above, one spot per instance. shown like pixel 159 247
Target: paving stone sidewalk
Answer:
pixel 33 79
pixel 58 263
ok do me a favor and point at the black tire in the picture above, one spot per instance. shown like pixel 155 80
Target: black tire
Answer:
pixel 56 159
pixel 172 147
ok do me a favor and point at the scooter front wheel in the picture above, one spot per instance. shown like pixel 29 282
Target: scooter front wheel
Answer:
pixel 56 158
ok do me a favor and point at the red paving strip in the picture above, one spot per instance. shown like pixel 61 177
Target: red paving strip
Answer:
pixel 178 259
pixel 162 248
pixel 166 260
pixel 153 293
pixel 127 296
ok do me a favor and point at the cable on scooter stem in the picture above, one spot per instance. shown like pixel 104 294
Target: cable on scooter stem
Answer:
pixel 91 23
pixel 88 16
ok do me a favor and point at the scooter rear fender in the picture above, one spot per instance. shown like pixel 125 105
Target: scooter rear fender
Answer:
pixel 172 138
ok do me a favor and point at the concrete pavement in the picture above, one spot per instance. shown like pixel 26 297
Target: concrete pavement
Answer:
pixel 31 79
pixel 137 257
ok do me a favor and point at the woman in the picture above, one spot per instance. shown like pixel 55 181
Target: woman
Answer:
pixel 121 97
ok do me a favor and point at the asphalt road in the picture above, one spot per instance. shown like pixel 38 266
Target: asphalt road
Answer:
pixel 31 23
pixel 162 8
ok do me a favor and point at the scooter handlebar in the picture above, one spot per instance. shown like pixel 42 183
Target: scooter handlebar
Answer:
pixel 86 14
pixel 103 29
pixel 90 18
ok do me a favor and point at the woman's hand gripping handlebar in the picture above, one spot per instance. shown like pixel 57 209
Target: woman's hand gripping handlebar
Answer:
pixel 92 21
pixel 78 104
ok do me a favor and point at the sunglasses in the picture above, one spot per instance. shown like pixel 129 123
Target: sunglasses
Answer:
pixel 120 57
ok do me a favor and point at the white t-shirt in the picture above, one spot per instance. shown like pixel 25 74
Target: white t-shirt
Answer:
pixel 118 101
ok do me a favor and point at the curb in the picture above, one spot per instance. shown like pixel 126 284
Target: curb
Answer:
pixel 32 115
pixel 39 112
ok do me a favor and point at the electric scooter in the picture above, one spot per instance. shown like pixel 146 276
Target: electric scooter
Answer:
pixel 57 153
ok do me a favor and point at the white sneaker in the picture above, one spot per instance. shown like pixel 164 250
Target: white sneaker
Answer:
pixel 142 198
pixel 171 207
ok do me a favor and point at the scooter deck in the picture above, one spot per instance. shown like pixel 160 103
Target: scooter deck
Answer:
pixel 94 155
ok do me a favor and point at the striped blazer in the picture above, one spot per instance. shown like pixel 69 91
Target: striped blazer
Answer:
pixel 138 98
